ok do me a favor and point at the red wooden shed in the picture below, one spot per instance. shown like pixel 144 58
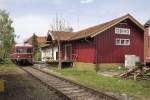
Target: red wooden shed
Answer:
pixel 106 43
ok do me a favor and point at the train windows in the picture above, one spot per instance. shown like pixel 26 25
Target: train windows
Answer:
pixel 29 50
pixel 23 50
pixel 19 50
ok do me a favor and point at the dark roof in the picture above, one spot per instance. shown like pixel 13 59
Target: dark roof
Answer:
pixel 147 23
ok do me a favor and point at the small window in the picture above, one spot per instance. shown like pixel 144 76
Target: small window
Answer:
pixel 127 41
pixel 117 41
pixel 122 42
pixel 122 31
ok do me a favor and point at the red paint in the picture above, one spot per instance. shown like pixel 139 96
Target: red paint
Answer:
pixel 146 45
pixel 18 57
pixel 108 52
pixel 111 53
pixel 21 56
pixel 81 51
pixel 68 53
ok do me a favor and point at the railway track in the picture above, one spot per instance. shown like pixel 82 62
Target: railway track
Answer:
pixel 67 88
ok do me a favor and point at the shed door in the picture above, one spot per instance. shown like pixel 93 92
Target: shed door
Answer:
pixel 68 52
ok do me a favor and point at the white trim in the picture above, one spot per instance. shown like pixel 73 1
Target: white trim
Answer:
pixel 120 39
pixel 49 33
pixel 125 31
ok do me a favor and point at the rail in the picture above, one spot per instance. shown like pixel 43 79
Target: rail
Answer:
pixel 68 88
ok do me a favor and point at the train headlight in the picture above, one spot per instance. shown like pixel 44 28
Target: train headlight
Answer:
pixel 18 56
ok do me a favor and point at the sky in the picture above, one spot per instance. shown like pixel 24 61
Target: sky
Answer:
pixel 36 16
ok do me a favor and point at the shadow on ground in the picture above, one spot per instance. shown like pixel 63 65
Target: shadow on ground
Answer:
pixel 25 87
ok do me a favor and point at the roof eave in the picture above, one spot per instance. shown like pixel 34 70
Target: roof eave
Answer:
pixel 49 33
pixel 130 17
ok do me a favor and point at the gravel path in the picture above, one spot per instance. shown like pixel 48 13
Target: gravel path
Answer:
pixel 20 86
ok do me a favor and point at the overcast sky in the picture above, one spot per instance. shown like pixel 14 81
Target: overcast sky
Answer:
pixel 35 16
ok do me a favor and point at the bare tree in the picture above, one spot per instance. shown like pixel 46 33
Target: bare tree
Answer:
pixel 60 24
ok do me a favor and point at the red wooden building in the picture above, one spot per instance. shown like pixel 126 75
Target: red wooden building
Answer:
pixel 147 41
pixel 105 43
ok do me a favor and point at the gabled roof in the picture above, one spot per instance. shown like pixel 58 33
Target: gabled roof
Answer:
pixel 93 31
pixel 60 35
pixel 40 39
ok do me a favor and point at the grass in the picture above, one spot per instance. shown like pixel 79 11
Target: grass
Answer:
pixel 12 68
pixel 112 67
pixel 136 89
pixel 8 68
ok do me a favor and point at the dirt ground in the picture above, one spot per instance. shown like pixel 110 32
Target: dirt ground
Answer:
pixel 20 86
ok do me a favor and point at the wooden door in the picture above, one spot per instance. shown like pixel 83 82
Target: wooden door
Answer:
pixel 68 52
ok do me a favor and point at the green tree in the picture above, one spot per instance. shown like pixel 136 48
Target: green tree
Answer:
pixel 6 34
pixel 35 46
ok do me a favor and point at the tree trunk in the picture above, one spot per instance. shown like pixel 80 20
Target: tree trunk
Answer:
pixel 59 65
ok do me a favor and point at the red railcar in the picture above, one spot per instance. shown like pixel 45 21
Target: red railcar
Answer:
pixel 21 54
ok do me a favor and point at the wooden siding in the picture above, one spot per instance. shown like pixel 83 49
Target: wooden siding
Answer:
pixel 111 53
pixel 85 52
pixel 82 51
pixel 108 52
pixel 146 45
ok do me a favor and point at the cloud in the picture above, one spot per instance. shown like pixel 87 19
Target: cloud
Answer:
pixel 25 26
pixel 57 1
pixel 86 1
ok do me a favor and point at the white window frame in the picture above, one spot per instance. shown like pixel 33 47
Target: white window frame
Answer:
pixel 122 40
pixel 119 31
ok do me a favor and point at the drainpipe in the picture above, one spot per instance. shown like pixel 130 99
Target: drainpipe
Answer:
pixel 96 54
pixel 59 65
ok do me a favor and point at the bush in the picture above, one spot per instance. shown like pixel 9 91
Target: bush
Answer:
pixel 2 61
pixel 37 56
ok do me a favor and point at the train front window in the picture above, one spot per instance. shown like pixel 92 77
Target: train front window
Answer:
pixel 24 50
pixel 29 50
